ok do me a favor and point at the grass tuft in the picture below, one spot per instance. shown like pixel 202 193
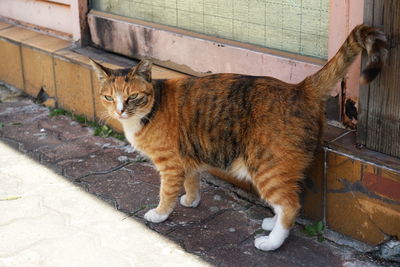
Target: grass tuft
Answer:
pixel 99 130
pixel 59 112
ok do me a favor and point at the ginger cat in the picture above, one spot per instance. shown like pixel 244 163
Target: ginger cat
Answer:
pixel 256 128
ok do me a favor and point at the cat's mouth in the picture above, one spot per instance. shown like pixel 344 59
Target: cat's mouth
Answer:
pixel 121 116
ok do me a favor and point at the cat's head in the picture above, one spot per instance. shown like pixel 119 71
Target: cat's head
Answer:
pixel 126 93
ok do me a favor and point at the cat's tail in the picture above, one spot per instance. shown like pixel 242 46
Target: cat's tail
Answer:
pixel 361 38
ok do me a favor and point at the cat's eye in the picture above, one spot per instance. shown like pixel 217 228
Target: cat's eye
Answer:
pixel 108 98
pixel 134 96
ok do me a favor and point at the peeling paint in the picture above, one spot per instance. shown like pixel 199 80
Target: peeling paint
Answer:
pixel 360 188
pixel 382 186
pixel 196 54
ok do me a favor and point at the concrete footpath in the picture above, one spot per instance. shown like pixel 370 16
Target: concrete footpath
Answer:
pixel 68 198
pixel 47 221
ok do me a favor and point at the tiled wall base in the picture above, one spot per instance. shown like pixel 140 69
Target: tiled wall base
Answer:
pixel 356 192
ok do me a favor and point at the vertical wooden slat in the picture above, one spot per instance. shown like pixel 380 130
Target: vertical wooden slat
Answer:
pixel 363 104
pixel 379 125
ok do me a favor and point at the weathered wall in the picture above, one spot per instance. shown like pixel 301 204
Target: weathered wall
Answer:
pixel 55 15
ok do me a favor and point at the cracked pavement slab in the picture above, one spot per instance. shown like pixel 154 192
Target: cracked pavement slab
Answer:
pixel 53 218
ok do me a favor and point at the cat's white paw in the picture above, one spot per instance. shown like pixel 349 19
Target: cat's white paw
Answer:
pixel 269 223
pixel 154 217
pixel 194 204
pixel 274 240
pixel 266 243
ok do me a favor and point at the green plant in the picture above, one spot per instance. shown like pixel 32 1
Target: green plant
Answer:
pixel 103 131
pixel 99 130
pixel 1 125
pixel 80 118
pixel 315 230
pixel 258 231
pixel 59 112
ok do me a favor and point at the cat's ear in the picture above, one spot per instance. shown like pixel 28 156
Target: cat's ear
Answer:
pixel 143 69
pixel 103 73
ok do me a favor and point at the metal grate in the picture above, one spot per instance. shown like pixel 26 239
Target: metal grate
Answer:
pixel 297 26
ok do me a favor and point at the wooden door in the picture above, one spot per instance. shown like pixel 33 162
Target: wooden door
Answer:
pixel 379 110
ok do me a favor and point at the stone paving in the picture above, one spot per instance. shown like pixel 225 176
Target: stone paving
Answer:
pixel 220 231
pixel 48 221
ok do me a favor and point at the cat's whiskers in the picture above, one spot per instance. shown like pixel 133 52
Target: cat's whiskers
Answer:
pixel 104 117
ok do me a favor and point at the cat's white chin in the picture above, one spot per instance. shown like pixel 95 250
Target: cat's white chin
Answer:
pixel 122 117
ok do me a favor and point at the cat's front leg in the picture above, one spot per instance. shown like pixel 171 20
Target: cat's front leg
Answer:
pixel 192 188
pixel 171 183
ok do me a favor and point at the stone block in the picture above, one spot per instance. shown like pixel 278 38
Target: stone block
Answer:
pixel 386 185
pixel 362 199
pixel 4 25
pixel 74 87
pixel 362 217
pixel 46 43
pixel 11 72
pixel 18 34
pixel 341 170
pixel 38 72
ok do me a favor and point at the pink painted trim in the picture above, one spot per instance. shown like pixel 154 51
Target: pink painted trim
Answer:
pixel 79 9
pixel 193 54
pixel 344 16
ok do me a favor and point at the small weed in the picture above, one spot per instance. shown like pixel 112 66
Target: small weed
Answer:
pixel 103 131
pixel 80 119
pixel 16 123
pixel 99 130
pixel 1 125
pixel 120 137
pixel 59 112
pixel 315 230
pixel 258 232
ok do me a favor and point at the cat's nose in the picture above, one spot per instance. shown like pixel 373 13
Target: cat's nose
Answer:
pixel 121 114
pixel 119 111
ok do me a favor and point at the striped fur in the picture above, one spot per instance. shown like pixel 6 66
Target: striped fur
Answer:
pixel 259 128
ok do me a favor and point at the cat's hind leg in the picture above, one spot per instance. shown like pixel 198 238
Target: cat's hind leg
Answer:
pixel 279 189
pixel 280 230
pixel 192 188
